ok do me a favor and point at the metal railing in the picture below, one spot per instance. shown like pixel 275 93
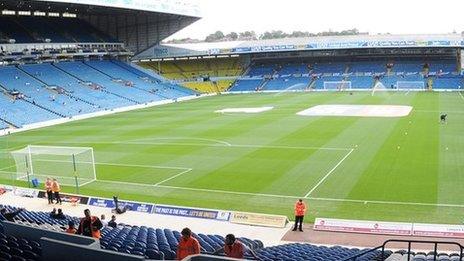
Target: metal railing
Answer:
pixel 382 248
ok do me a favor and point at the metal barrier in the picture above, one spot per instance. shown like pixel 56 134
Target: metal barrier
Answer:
pixel 409 242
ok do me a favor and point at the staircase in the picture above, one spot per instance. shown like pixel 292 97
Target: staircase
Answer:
pixel 9 123
pixel 181 71
pixel 311 83
pixel 45 108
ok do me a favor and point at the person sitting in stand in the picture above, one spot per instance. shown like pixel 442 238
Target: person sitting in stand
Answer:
pixel 59 214
pixel 233 248
pixel 188 245
pixel 71 228
pixel 53 213
pixel 9 216
pixel 112 223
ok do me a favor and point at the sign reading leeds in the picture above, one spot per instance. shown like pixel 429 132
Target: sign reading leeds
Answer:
pixel 190 212
pixel 258 219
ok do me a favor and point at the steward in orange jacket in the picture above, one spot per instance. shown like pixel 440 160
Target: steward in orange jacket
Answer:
pixel 188 245
pixel 300 209
pixel 90 225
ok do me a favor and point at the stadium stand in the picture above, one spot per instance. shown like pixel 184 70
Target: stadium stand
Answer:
pixel 144 241
pixel 367 67
pixel 53 76
pixel 13 248
pixel 302 252
pixel 447 81
pixel 13 79
pixel 360 74
pixel 85 73
pixel 66 89
pixel 26 29
pixel 159 244
pixel 202 75
pixel 20 112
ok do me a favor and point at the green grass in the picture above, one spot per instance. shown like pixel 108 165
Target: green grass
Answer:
pixel 277 156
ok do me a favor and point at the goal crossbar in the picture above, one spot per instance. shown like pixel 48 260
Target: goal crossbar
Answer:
pixel 72 166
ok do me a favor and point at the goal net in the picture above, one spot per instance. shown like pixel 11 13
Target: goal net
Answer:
pixel 71 166
pixel 337 85
pixel 410 85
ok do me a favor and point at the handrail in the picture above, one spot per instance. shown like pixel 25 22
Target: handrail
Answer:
pixel 383 246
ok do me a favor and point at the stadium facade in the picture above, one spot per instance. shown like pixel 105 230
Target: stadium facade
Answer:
pixel 362 62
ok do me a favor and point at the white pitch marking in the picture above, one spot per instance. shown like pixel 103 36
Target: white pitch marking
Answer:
pixel 7 167
pixel 328 173
pixel 173 177
pixel 120 164
pixel 387 202
pixel 460 94
pixel 288 196
pixel 180 138
pixel 211 145
pixel 229 192
pixel 87 182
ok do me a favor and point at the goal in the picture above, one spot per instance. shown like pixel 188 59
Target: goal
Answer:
pixel 337 85
pixel 410 85
pixel 71 166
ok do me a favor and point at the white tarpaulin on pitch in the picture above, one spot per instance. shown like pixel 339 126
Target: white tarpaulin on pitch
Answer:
pixel 245 110
pixel 357 110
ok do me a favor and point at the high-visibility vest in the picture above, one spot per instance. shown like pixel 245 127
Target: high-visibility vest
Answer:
pixel 95 233
pixel 48 185
pixel 55 187
pixel 300 209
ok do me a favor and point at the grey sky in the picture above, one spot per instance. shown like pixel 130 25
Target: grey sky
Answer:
pixel 373 16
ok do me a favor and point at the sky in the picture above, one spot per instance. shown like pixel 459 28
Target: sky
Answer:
pixel 373 16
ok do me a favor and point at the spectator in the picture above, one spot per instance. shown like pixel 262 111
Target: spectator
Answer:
pixel 90 225
pixel 48 188
pixel 71 228
pixel 103 220
pixel 300 209
pixel 188 245
pixel 234 248
pixel 59 215
pixel 56 190
pixel 9 216
pixel 112 223
pixel 53 213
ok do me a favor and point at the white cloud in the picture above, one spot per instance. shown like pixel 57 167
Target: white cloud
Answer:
pixel 375 16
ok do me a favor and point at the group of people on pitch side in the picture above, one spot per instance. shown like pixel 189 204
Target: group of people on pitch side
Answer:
pixel 233 248
pixel 53 189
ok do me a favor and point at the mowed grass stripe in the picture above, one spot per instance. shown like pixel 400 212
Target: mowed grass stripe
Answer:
pixel 374 162
pixel 405 167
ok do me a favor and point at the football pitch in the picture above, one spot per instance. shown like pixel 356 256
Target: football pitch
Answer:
pixel 379 168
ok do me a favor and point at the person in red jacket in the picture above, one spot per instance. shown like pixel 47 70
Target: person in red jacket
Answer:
pixel 300 209
pixel 188 245
pixel 233 248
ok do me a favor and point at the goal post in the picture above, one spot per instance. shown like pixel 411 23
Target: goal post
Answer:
pixel 71 166
pixel 337 85
pixel 410 85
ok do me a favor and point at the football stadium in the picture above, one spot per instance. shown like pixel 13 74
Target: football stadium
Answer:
pixel 300 147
